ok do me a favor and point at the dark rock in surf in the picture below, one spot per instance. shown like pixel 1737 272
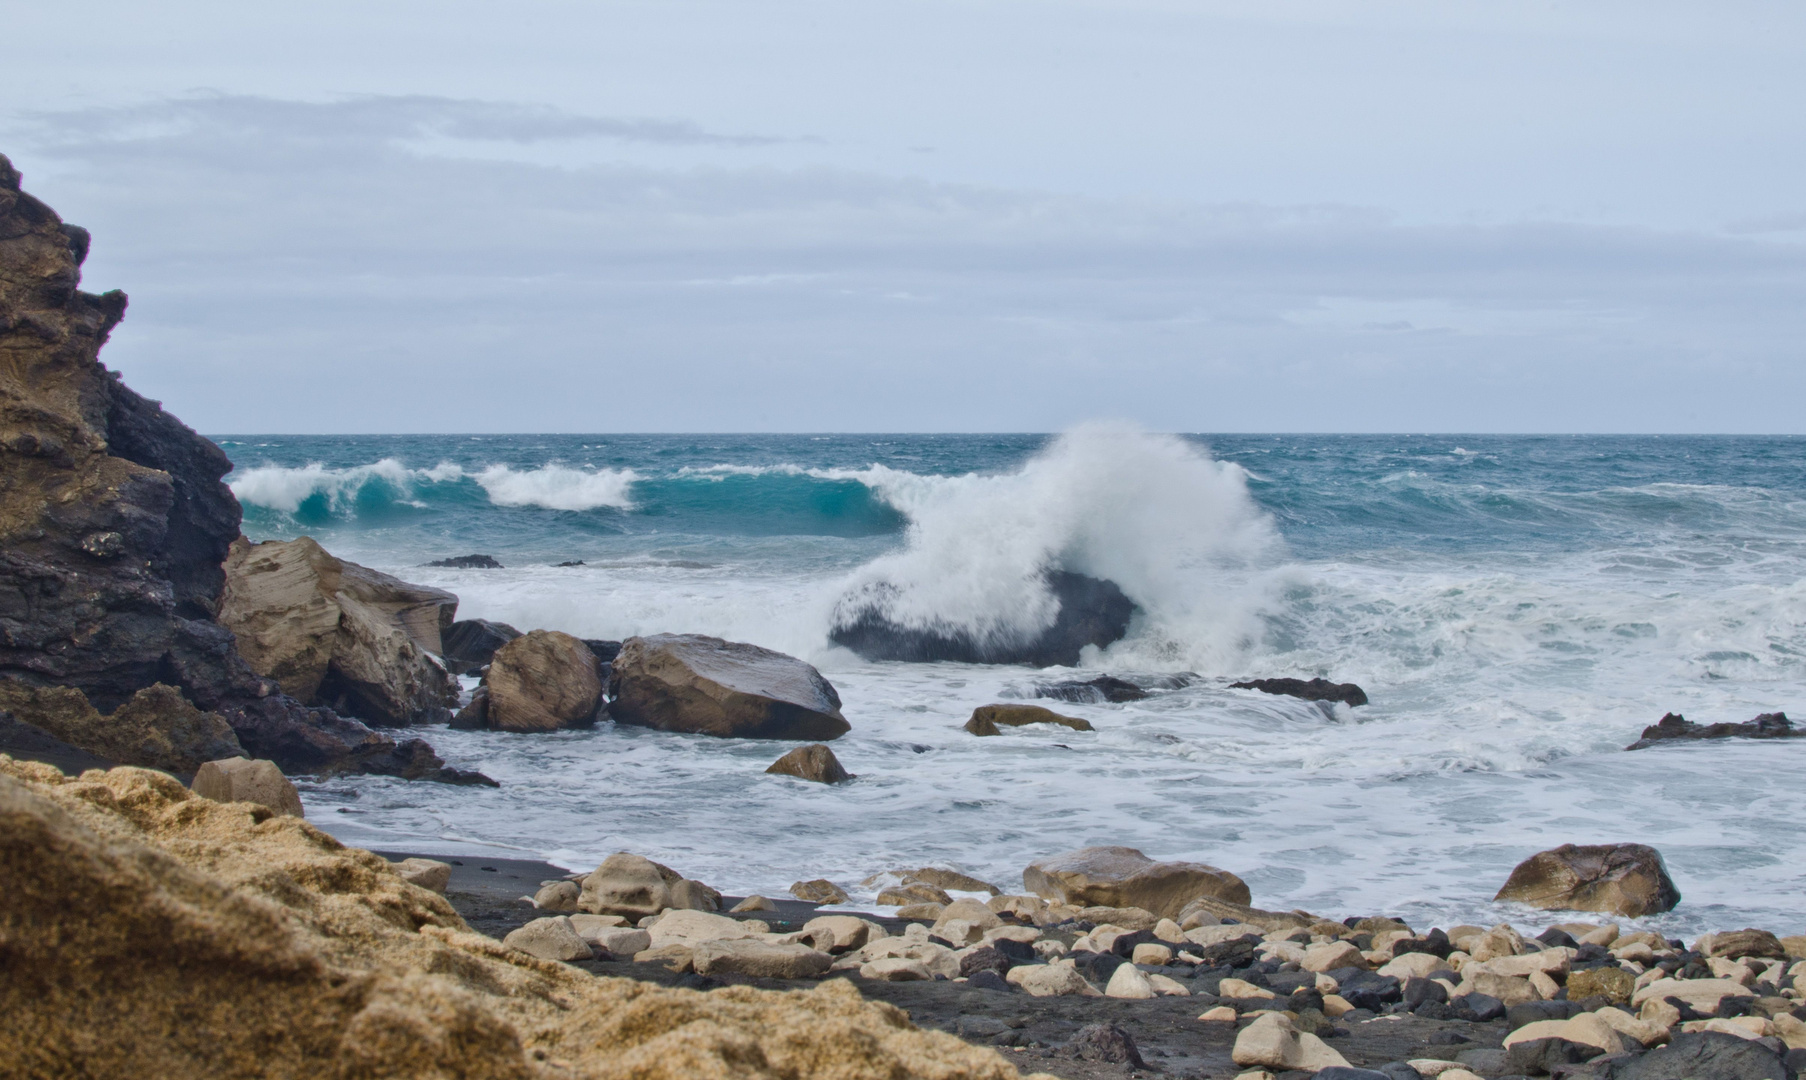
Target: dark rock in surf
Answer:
pixel 471 643
pixel 985 718
pixel 813 762
pixel 605 652
pixel 707 686
pixel 1313 690
pixel 1092 612
pixel 1104 688
pixel 1674 727
pixel 571 562
pixel 468 562
pixel 1704 1054
pixel 114 524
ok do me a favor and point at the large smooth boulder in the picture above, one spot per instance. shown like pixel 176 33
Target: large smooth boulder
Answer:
pixel 1732 944
pixel 1274 1042
pixel 243 780
pixel 762 959
pixel 813 762
pixel 542 681
pixel 635 886
pixel 987 718
pixel 156 729
pixel 707 686
pixel 335 633
pixel 1091 612
pixel 1707 1055
pixel 469 644
pixel 1620 879
pixel 1124 877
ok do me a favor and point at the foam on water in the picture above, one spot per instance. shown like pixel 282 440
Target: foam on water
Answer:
pixel 1518 612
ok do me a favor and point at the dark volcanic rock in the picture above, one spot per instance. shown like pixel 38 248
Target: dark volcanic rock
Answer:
pixel 1107 1043
pixel 114 523
pixel 1705 1055
pixel 1092 612
pixel 469 644
pixel 1674 727
pixel 1314 690
pixel 1540 1057
pixel 1104 688
pixel 468 562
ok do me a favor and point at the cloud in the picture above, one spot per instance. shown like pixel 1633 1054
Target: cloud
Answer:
pixel 280 251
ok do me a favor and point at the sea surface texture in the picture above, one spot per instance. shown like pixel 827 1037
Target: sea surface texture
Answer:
pixel 1517 608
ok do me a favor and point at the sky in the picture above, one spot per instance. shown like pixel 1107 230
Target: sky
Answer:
pixel 941 215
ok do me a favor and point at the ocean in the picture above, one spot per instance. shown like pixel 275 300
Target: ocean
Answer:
pixel 1517 608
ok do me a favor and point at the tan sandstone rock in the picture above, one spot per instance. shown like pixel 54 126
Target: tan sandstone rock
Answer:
pixel 1129 981
pixel 895 969
pixel 156 729
pixel 426 873
pixel 986 718
pixel 840 933
pixel 1620 879
pixel 707 686
pixel 1124 877
pixel 819 891
pixel 1732 944
pixel 1702 994
pixel 1058 979
pixel 813 762
pixel 558 896
pixel 543 680
pixel 1273 1041
pixel 335 633
pixel 764 959
pixel 550 938
pixel 243 780
pixel 635 886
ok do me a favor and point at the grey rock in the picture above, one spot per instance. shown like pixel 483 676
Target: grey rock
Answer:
pixel 1106 1043
pixel 1706 1055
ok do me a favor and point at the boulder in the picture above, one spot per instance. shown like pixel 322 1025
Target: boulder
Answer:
pixel 427 873
pixel 634 886
pixel 1104 688
pixel 1621 879
pixel 469 644
pixel 1706 1055
pixel 929 912
pixel 986 718
pixel 617 941
pixel 156 728
pixel 813 762
pixel 819 891
pixel 550 938
pixel 1106 1043
pixel 1050 980
pixel 1124 877
pixel 688 927
pixel 1732 944
pixel 1128 918
pixel 474 716
pixel 752 903
pixel 949 879
pixel 1274 1042
pixel 558 896
pixel 243 780
pixel 1312 690
pixel 895 969
pixel 1676 728
pixel 704 685
pixel 1129 981
pixel 542 681
pixel 761 959
pixel 839 933
pixel 1330 956
pixel 1090 612
pixel 1702 995
pixel 674 957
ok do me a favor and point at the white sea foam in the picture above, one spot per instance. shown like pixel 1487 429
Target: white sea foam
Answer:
pixel 558 487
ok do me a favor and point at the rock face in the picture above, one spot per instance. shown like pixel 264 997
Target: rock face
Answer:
pixel 153 933
pixel 335 633
pixel 1621 879
pixel 813 762
pixel 114 523
pixel 157 729
pixel 707 686
pixel 244 780
pixel 470 643
pixel 1313 690
pixel 542 681
pixel 986 718
pixel 1674 727
pixel 1124 877
pixel 636 887
pixel 1092 612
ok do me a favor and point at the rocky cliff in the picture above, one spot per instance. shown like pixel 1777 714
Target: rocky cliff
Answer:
pixel 114 523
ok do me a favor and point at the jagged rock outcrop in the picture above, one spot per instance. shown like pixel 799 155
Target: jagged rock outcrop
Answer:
pixel 156 729
pixel 114 523
pixel 986 718
pixel 146 931
pixel 1673 727
pixel 1092 612
pixel 338 634
pixel 707 686
pixel 1318 689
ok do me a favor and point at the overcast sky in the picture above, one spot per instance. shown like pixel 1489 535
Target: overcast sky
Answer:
pixel 735 215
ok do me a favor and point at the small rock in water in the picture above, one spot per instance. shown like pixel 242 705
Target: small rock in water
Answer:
pixel 1313 690
pixel 986 718
pixel 819 891
pixel 753 903
pixel 1104 688
pixel 1106 1043
pixel 813 762
pixel 1675 727
pixel 468 562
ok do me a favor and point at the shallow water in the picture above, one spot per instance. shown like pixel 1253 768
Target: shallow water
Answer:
pixel 1518 608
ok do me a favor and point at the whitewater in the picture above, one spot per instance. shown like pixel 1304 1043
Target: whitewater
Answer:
pixel 1517 609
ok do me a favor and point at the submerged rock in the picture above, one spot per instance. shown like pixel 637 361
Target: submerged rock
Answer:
pixel 1124 877
pixel 707 686
pixel 1313 690
pixel 469 644
pixel 1620 879
pixel 1104 688
pixel 1092 612
pixel 335 633
pixel 1674 727
pixel 468 562
pixel 542 681
pixel 986 718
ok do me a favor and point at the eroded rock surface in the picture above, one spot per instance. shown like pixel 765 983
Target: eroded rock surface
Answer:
pixel 542 681
pixel 707 686
pixel 1673 727
pixel 1620 879
pixel 1124 877
pixel 986 718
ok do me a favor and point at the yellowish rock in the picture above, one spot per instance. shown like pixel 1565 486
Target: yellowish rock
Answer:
pixel 248 780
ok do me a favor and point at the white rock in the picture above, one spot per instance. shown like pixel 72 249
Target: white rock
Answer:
pixel 1586 1029
pixel 1285 951
pixel 1703 994
pixel 1335 1005
pixel 1027 935
pixel 426 873
pixel 1544 985
pixel 1166 986
pixel 618 941
pixel 1549 962
pixel 1413 965
pixel 763 959
pixel 1624 1023
pixel 1273 1041
pixel 1735 970
pixel 1432 1067
pixel 558 896
pixel 1339 954
pixel 1050 980
pixel 754 903
pixel 840 933
pixel 1168 931
pixel 895 969
pixel 1219 1015
pixel 960 932
pixel 1241 990
pixel 550 938
pixel 1129 981
pixel 681 926
pixel 1050 949
pixel 1152 954
pixel 1604 936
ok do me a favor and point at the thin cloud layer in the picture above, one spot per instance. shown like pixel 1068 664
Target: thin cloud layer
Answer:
pixel 280 253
